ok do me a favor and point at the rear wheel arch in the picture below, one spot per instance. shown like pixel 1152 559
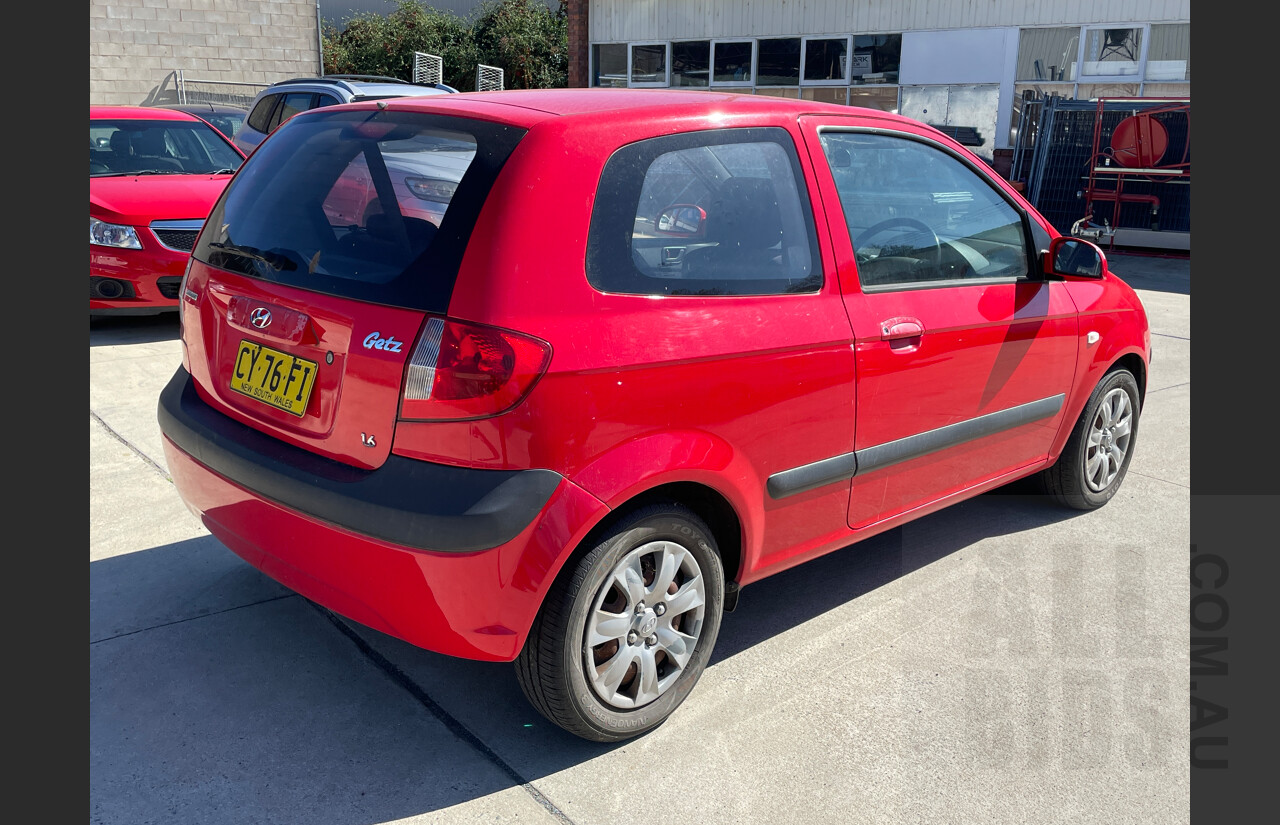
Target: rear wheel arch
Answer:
pixel 705 502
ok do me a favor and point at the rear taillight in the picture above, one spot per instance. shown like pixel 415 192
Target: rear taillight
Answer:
pixel 461 370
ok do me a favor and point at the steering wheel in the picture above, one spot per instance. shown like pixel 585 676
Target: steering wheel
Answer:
pixel 900 224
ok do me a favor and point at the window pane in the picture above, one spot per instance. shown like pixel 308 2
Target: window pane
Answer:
pixel 1166 90
pixel 778 62
pixel 875 58
pixel 826 94
pixel 609 64
pixel 886 100
pixel 704 214
pixel 1169 53
pixel 825 59
pixel 1089 91
pixel 917 215
pixel 779 91
pixel 690 63
pixel 1048 55
pixel 1109 52
pixel 732 61
pixel 649 63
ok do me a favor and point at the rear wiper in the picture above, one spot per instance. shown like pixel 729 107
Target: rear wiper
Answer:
pixel 271 259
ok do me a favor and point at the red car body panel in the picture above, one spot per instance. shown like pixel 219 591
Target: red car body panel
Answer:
pixel 475 605
pixel 718 394
pixel 137 201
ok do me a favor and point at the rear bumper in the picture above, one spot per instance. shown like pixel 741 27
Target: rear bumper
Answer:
pixel 451 559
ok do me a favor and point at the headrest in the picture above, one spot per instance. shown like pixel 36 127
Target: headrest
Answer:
pixel 745 215
pixel 149 142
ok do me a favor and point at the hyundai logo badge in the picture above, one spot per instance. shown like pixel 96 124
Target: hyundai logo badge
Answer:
pixel 260 318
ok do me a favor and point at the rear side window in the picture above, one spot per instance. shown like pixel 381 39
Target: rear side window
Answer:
pixel 292 104
pixel 704 213
pixel 260 118
pixel 376 206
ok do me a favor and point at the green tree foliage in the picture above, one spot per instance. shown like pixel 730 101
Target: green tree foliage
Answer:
pixel 527 40
pixel 524 38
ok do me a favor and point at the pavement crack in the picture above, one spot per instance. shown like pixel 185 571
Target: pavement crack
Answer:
pixel 1167 335
pixel 191 619
pixel 161 470
pixel 1161 480
pixel 448 720
pixel 1171 387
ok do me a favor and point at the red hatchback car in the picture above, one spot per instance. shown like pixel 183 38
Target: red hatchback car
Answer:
pixel 660 345
pixel 154 174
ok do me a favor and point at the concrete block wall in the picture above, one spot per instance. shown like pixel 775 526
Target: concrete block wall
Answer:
pixel 135 46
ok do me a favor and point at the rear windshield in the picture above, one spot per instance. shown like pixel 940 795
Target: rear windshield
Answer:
pixel 376 206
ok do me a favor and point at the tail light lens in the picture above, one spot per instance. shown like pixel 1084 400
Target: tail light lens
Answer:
pixel 463 370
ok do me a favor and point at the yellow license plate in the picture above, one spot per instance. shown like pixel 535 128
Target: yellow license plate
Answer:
pixel 273 377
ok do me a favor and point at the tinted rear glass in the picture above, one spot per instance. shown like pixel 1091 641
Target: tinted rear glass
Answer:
pixel 376 206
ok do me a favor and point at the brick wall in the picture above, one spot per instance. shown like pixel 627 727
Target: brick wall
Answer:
pixel 578 39
pixel 135 46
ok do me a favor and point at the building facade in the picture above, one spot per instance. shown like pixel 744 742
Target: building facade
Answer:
pixel 140 51
pixel 967 67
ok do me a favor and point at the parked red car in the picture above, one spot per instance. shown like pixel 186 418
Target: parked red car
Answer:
pixel 660 345
pixel 154 174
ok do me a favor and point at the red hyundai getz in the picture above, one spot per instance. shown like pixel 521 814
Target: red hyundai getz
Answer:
pixel 659 345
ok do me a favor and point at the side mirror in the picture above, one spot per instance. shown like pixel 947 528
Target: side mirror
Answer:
pixel 682 221
pixel 1075 258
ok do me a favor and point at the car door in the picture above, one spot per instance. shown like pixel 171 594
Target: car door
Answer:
pixel 964 354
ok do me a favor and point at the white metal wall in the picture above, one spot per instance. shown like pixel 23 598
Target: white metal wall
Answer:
pixel 616 20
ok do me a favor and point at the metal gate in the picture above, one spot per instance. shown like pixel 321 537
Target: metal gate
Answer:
pixel 1123 163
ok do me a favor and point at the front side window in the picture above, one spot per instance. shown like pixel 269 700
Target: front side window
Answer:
pixel 705 213
pixel 918 216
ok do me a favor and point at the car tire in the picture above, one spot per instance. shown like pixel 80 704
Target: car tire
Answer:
pixel 605 667
pixel 1097 455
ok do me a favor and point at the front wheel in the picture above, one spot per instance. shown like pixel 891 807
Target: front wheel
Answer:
pixel 1096 458
pixel 623 637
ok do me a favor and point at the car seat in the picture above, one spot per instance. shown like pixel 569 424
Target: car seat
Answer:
pixel 150 151
pixel 745 226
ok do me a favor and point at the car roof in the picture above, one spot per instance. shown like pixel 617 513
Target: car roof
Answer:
pixel 204 106
pixel 358 86
pixel 138 113
pixel 525 107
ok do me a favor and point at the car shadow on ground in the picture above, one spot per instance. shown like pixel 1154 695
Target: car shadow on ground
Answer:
pixel 1158 273
pixel 208 676
pixel 110 331
pixel 787 599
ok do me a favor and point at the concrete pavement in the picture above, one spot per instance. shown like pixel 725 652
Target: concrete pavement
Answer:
pixel 1001 661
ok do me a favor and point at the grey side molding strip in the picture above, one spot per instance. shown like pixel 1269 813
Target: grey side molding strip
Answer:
pixel 841 467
